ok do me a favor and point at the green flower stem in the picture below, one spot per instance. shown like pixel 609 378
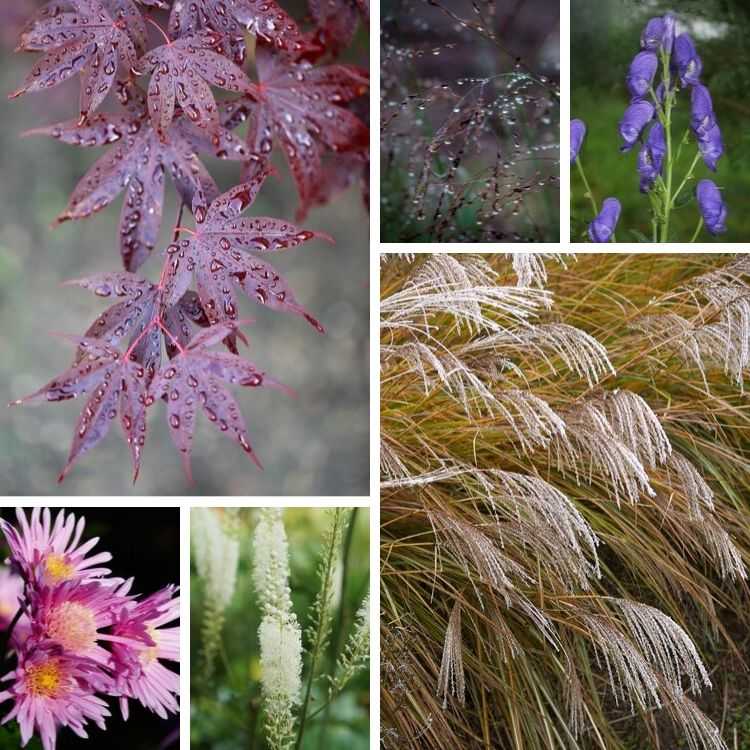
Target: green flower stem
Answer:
pixel 688 176
pixel 697 230
pixel 589 194
pixel 668 103
pixel 337 633
pixel 319 635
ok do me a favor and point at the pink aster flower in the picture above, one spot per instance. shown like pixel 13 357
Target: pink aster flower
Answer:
pixel 52 689
pixel 72 614
pixel 139 672
pixel 11 596
pixel 48 554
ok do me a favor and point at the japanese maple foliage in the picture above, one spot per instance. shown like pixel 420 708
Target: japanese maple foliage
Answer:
pixel 170 66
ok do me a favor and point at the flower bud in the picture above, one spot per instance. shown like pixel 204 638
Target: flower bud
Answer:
pixel 711 147
pixel 577 134
pixel 603 226
pixel 689 65
pixel 651 157
pixel 702 117
pixel 712 206
pixel 659 34
pixel 636 117
pixel 641 74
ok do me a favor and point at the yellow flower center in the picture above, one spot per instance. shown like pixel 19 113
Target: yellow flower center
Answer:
pixel 150 653
pixel 73 626
pixel 57 568
pixel 44 679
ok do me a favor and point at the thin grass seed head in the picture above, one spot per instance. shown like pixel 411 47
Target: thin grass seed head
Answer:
pixel 319 630
pixel 451 680
pixel 356 653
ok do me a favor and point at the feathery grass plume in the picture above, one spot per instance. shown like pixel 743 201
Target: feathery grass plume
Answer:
pixel 216 551
pixel 530 267
pixel 451 679
pixel 571 478
pixel 356 653
pixel 279 633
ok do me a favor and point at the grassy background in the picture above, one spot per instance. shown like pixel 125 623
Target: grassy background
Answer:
pixel 225 710
pixel 605 37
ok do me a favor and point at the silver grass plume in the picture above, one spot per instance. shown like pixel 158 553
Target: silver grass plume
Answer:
pixel 530 268
pixel 717 343
pixel 592 440
pixel 279 633
pixel 388 257
pixel 463 287
pixel 483 562
pixel 666 645
pixel 356 653
pixel 578 351
pixel 451 679
pixel 699 495
pixel 548 520
pixel 216 552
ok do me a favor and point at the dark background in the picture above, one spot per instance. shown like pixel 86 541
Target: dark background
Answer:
pixel 605 37
pixel 316 444
pixel 145 544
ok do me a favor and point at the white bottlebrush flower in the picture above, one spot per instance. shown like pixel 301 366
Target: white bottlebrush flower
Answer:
pixel 281 659
pixel 271 563
pixel 216 555
pixel 279 633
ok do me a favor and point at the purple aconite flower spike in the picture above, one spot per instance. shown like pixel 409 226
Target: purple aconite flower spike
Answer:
pixel 636 117
pixel 651 157
pixel 712 206
pixel 659 33
pixel 711 147
pixel 689 65
pixel 702 117
pixel 603 226
pixel 577 134
pixel 641 74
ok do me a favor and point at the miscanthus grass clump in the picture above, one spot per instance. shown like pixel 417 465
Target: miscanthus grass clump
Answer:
pixel 565 466
pixel 303 662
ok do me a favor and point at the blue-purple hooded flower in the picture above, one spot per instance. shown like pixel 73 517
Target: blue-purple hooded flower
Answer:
pixel 702 117
pixel 641 74
pixel 689 65
pixel 603 226
pixel 659 33
pixel 712 206
pixel 651 157
pixel 636 117
pixel 711 147
pixel 577 134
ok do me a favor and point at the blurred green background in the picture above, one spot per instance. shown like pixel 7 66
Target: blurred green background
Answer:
pixel 225 710
pixel 316 444
pixel 605 37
